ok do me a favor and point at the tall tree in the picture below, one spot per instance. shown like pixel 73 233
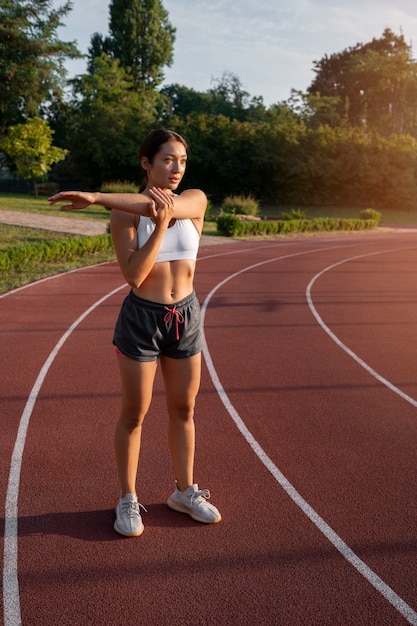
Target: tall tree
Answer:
pixel 230 89
pixel 107 123
pixel 31 57
pixel 181 101
pixel 375 83
pixel 141 38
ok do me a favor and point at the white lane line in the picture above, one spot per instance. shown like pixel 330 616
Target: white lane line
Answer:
pixel 351 557
pixel 331 334
pixel 11 601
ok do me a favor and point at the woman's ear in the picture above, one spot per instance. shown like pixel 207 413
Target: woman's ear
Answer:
pixel 144 163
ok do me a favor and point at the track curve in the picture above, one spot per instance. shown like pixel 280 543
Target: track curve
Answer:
pixel 329 434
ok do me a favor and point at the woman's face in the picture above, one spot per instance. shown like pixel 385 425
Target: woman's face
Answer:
pixel 168 166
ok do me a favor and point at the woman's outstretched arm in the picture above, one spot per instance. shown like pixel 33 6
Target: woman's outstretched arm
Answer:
pixel 190 204
pixel 136 203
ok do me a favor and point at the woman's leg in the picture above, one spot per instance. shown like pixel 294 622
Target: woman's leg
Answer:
pixel 182 382
pixel 137 380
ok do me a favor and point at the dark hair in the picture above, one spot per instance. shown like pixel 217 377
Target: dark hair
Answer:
pixel 151 146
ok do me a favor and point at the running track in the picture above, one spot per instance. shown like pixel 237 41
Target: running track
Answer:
pixel 306 437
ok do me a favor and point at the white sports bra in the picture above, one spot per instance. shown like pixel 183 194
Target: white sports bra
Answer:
pixel 180 241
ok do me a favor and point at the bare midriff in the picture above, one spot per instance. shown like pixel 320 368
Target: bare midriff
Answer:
pixel 168 282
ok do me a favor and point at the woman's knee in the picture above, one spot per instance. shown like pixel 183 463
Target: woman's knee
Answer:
pixel 131 418
pixel 183 411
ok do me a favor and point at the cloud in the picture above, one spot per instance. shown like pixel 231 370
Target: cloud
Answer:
pixel 270 44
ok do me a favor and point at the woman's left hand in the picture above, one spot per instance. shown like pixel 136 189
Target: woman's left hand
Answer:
pixel 77 199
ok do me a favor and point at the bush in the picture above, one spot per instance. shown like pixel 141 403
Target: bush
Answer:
pixel 244 205
pixel 228 225
pixel 370 214
pixel 232 226
pixel 117 186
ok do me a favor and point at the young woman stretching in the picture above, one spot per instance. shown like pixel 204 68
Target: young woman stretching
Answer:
pixel 156 237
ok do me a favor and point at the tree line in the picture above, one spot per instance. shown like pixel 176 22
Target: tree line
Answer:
pixel 350 139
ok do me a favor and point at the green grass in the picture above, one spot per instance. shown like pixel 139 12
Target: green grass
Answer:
pixel 12 235
pixel 13 279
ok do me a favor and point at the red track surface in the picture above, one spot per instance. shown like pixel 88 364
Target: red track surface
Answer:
pixel 319 512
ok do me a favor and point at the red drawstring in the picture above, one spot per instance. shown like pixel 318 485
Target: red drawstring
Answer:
pixel 179 319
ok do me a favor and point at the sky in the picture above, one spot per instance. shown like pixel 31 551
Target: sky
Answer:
pixel 271 45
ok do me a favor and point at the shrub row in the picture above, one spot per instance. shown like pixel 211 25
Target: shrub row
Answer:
pixel 21 256
pixel 232 226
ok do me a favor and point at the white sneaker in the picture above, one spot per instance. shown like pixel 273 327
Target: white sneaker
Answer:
pixel 193 501
pixel 128 520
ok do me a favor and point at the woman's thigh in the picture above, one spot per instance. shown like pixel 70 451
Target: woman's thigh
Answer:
pixel 137 379
pixel 182 380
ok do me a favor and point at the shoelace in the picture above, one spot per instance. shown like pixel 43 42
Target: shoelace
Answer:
pixel 201 496
pixel 132 508
pixel 179 319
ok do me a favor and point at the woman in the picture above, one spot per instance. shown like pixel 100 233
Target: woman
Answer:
pixel 156 236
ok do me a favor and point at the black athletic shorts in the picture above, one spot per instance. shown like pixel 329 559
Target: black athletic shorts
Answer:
pixel 145 330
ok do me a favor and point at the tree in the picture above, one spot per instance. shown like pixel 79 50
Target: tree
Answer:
pixel 141 38
pixel 31 57
pixel 229 157
pixel 229 98
pixel 226 98
pixel 98 46
pixel 221 154
pixel 230 89
pixel 30 148
pixel 181 101
pixel 350 166
pixel 316 109
pixel 375 83
pixel 107 123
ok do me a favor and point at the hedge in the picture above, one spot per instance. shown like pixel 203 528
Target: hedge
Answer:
pixel 232 226
pixel 21 256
